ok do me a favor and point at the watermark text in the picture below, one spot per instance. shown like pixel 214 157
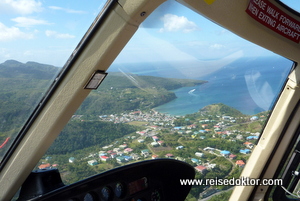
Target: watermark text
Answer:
pixel 243 181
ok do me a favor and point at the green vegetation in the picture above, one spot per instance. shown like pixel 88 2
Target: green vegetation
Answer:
pixel 221 110
pixel 22 87
pixel 81 134
pixel 120 93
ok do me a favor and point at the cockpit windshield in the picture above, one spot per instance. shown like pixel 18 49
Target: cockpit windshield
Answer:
pixel 182 88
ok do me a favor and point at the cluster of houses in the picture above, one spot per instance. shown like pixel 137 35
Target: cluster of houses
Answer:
pixel 206 167
pixel 121 154
pixel 152 116
pixel 122 158
pixel 203 169
pixel 124 154
pixel 217 129
pixel 156 118
pixel 157 142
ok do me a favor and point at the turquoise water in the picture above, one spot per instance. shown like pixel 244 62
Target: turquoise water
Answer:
pixel 248 85
pixel 187 102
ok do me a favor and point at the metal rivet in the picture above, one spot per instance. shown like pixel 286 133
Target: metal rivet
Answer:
pixel 143 13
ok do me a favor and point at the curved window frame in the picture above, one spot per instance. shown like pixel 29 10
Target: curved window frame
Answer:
pixel 289 8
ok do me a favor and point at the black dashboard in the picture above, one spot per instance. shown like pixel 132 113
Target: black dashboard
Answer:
pixel 152 180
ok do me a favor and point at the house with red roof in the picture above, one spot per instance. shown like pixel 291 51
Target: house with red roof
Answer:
pixel 155 138
pixel 141 132
pixel 104 158
pixel 113 155
pixel 191 126
pixel 128 150
pixel 169 155
pixel 202 169
pixel 154 127
pixel 240 163
pixel 110 151
pixel 44 166
pixel 137 112
pixel 249 144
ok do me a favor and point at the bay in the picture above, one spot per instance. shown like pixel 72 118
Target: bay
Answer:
pixel 250 85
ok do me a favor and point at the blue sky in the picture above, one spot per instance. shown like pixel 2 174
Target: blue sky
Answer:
pixel 44 31
pixel 48 31
pixel 175 33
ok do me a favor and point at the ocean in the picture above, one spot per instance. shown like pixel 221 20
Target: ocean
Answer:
pixel 250 85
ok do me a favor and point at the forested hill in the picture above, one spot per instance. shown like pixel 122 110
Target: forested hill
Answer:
pixel 81 134
pixel 220 109
pixel 23 84
pixel 217 109
pixel 122 80
pixel 30 70
pixel 119 93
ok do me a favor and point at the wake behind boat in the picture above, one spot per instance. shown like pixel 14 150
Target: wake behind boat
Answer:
pixel 191 91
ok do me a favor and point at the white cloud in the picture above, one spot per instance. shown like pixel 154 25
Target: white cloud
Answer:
pixel 12 33
pixel 54 34
pixel 67 10
pixel 29 22
pixel 20 6
pixel 174 23
pixel 216 46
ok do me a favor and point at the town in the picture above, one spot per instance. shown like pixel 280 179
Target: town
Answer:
pixel 215 145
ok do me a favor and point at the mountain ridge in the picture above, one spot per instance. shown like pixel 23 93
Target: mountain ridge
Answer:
pixel 16 69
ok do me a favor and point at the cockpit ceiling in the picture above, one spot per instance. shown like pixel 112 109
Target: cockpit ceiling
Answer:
pixel 229 13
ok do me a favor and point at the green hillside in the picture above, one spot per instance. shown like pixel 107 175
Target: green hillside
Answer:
pixel 81 134
pixel 221 110
pixel 24 84
pixel 30 70
pixel 120 93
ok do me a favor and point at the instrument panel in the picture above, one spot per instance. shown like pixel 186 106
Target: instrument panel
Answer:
pixel 152 180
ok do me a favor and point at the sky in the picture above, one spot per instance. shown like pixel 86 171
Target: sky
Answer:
pixel 183 35
pixel 42 30
pixel 47 32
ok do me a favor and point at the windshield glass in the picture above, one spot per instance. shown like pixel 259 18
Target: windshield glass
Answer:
pixel 36 40
pixel 293 4
pixel 183 88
